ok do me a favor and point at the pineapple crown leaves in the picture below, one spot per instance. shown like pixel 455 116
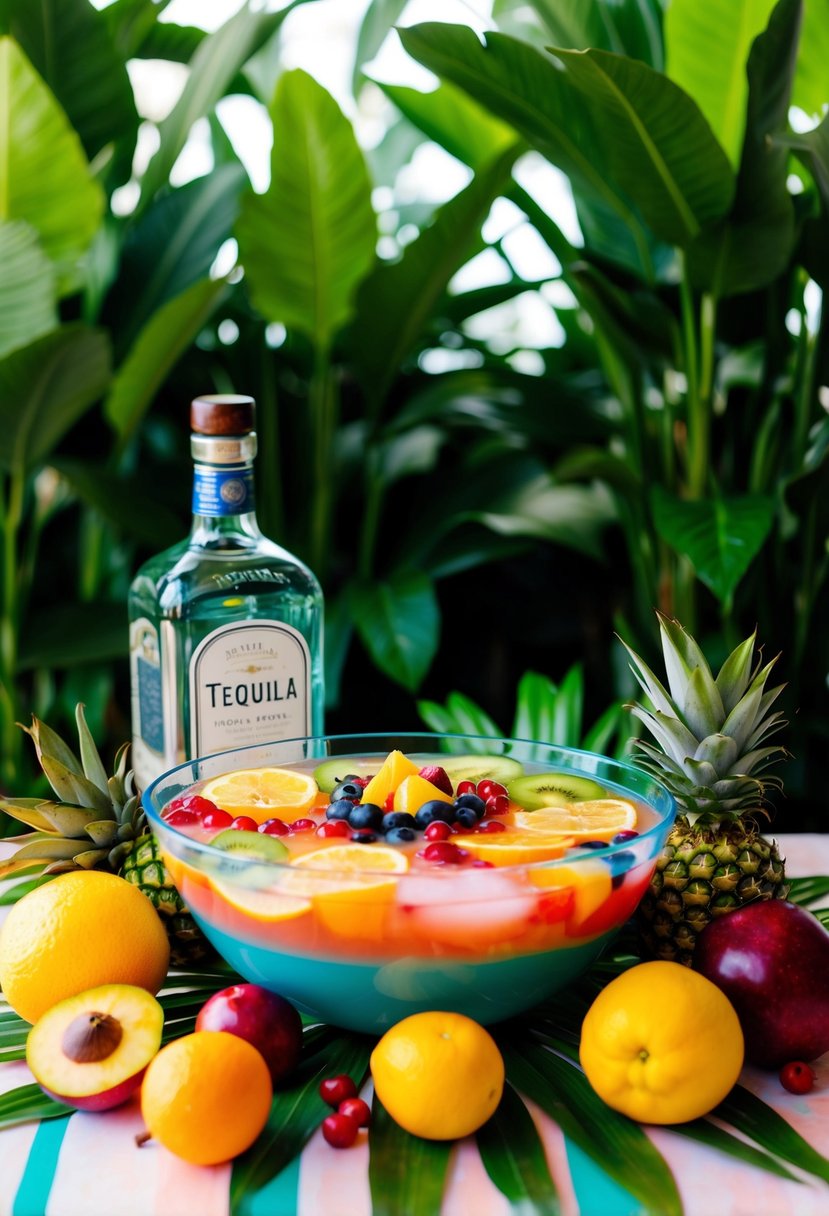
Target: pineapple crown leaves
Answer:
pixel 83 783
pixel 708 729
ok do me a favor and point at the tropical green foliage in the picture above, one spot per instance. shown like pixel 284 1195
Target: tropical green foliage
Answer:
pixel 672 452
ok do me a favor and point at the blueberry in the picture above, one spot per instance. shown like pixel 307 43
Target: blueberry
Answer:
pixel 363 837
pixel 347 789
pixel 591 844
pixel 473 802
pixel 402 835
pixel 432 810
pixel 398 819
pixel 366 815
pixel 621 863
pixel 339 809
pixel 466 817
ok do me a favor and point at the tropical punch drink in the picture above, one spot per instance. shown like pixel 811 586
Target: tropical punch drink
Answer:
pixel 369 877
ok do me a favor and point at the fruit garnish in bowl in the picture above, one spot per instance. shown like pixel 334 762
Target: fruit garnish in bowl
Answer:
pixel 417 873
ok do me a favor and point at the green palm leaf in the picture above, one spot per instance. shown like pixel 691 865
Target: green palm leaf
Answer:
pixel 406 1174
pixel 514 1158
pixel 750 1115
pixel 308 241
pixel 28 1103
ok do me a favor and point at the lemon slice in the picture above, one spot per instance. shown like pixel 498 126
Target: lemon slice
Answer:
pixel 263 905
pixel 516 848
pixel 352 887
pixel 596 820
pixel 263 793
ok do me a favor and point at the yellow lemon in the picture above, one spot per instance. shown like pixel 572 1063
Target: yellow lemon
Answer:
pixel 599 819
pixel 439 1075
pixel 206 1096
pixel 263 793
pixel 79 931
pixel 661 1044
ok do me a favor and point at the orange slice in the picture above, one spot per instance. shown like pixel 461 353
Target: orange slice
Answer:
pixel 596 820
pixel 589 880
pixel 351 886
pixel 413 791
pixel 263 905
pixel 263 793
pixel 516 848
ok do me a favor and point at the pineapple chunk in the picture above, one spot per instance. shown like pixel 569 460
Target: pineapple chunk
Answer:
pixel 392 772
pixel 413 791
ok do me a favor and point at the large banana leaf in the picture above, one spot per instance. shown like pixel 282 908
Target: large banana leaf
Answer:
pixel 626 27
pixel 155 351
pixel 453 120
pixel 44 175
pixel 623 132
pixel 27 287
pixel 171 247
pixel 66 635
pixel 398 621
pixel 213 67
pixel 114 496
pixel 397 300
pixel 308 241
pixel 706 48
pixel 811 92
pixel 45 388
pixel 70 45
pixel 379 19
pixel 753 245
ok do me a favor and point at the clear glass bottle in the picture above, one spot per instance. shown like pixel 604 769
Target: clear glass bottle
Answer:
pixel 226 626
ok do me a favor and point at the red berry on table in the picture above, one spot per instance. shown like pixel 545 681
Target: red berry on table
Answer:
pixel 438 830
pixel 333 827
pixel 335 1090
pixel 496 804
pixel 355 1108
pixel 216 820
pixel 274 827
pixel 244 823
pixel 340 1131
pixel 304 825
pixel 466 787
pixel 797 1077
pixel 490 789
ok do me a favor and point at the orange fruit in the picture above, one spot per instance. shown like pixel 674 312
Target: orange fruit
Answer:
pixel 439 1075
pixel 206 1096
pixel 79 931
pixel 661 1044
pixel 596 820
pixel 351 886
pixel 516 848
pixel 413 791
pixel 263 793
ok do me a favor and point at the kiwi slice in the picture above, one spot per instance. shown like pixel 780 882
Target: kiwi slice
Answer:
pixel 553 789
pixel 255 845
pixel 477 768
pixel 332 772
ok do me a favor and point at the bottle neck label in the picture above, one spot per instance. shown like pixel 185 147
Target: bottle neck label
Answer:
pixel 250 682
pixel 221 491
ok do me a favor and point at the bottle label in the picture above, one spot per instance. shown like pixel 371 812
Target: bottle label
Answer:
pixel 147 704
pixel 250 682
pixel 218 491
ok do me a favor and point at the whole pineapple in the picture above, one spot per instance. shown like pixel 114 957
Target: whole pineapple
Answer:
pixel 711 747
pixel 97 824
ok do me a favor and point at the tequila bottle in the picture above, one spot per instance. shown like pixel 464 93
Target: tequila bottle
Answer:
pixel 226 626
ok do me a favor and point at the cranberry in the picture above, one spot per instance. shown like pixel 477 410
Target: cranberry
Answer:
pixel 438 830
pixel 182 819
pixel 217 820
pixel 620 837
pixel 443 852
pixel 303 825
pixel 244 823
pixel 335 1090
pixel 466 787
pixel 797 1078
pixel 490 789
pixel 355 1108
pixel 177 804
pixel 274 827
pixel 340 1130
pixel 496 804
pixel 480 864
pixel 199 805
pixel 492 825
pixel 361 781
pixel 334 827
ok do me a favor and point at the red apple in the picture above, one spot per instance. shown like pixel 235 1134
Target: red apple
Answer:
pixel 91 1050
pixel 266 1020
pixel 771 959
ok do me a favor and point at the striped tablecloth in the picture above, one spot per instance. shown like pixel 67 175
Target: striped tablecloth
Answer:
pixel 88 1165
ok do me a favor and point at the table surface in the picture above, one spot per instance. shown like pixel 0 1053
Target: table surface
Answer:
pixel 88 1165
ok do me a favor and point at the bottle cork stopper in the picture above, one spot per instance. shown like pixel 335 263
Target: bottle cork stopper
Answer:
pixel 222 414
